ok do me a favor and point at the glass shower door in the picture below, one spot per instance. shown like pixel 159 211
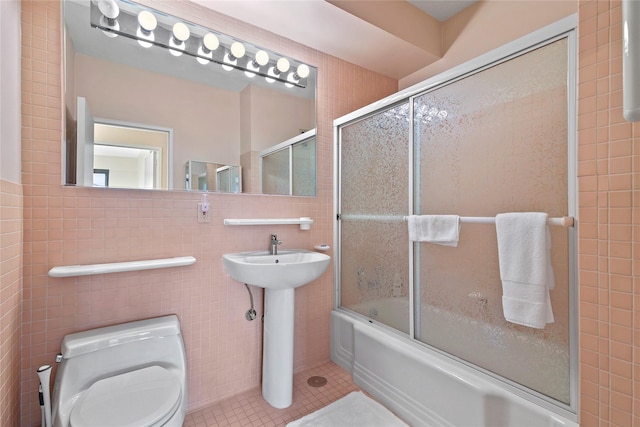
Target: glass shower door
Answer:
pixel 374 250
pixel 275 173
pixel 303 165
pixel 495 142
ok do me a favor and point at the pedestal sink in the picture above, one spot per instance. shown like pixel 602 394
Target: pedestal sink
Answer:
pixel 279 275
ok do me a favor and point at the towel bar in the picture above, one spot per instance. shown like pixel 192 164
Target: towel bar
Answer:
pixel 305 222
pixel 565 221
pixel 118 267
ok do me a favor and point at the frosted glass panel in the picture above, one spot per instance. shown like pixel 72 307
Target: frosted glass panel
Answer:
pixel 224 179
pixel 275 173
pixel 304 168
pixel 374 199
pixel 229 179
pixel 495 142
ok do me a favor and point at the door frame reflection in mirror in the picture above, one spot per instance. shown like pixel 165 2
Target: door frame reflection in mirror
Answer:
pixel 122 134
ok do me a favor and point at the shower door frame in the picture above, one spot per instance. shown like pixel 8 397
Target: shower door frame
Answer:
pixel 564 28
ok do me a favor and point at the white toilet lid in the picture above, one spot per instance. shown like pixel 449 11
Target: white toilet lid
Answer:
pixel 141 398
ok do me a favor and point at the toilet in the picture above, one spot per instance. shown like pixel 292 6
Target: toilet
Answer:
pixel 127 375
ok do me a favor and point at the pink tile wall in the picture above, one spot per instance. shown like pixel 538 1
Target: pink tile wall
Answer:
pixel 10 299
pixel 609 229
pixel 66 226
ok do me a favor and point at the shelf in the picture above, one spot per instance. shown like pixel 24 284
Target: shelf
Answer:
pixel 305 223
pixel 118 267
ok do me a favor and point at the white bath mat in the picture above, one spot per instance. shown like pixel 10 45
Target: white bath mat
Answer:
pixel 353 410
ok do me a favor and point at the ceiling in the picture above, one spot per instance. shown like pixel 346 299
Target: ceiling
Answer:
pixel 394 37
pixel 442 10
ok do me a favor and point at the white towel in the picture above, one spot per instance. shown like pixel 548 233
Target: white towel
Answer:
pixel 438 229
pixel 524 254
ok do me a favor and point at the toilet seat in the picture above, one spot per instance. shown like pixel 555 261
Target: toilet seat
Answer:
pixel 142 398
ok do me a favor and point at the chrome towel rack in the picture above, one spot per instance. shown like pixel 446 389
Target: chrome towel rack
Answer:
pixel 565 221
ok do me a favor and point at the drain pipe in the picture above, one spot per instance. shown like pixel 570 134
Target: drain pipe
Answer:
pixel 44 373
pixel 251 313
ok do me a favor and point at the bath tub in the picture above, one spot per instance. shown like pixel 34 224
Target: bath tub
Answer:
pixel 421 385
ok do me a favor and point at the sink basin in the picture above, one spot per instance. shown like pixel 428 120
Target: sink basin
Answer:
pixel 287 270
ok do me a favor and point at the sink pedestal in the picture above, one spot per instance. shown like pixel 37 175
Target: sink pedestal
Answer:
pixel 277 353
pixel 279 275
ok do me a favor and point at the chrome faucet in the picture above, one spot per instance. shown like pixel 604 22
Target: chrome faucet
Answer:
pixel 273 248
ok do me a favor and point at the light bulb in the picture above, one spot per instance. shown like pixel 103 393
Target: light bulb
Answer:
pixel 109 23
pixel 302 71
pixel 209 44
pixel 181 31
pixel 175 49
pixel 110 11
pixel 291 78
pixel 148 23
pixel 180 34
pixel 210 41
pixel 271 72
pixel 237 50
pixel 262 57
pixel 252 67
pixel 283 65
pixel 149 36
pixel 226 60
pixel 109 8
pixel 202 53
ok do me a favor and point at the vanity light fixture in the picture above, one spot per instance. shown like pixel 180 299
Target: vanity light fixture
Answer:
pixel 210 43
pixel 236 51
pixel 147 22
pixel 110 11
pixel 272 73
pixel 179 35
pixel 261 59
pixel 149 27
pixel 291 80
pixel 282 66
pixel 302 72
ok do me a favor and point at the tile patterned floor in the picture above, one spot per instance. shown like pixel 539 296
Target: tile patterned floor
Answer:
pixel 250 410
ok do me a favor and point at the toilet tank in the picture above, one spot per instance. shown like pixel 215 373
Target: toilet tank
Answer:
pixel 92 355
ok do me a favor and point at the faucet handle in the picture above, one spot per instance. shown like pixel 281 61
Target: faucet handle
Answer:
pixel 274 239
pixel 273 248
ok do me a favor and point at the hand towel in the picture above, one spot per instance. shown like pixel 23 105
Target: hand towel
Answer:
pixel 524 255
pixel 439 229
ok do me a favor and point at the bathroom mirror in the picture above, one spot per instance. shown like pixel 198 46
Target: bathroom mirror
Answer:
pixel 210 114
